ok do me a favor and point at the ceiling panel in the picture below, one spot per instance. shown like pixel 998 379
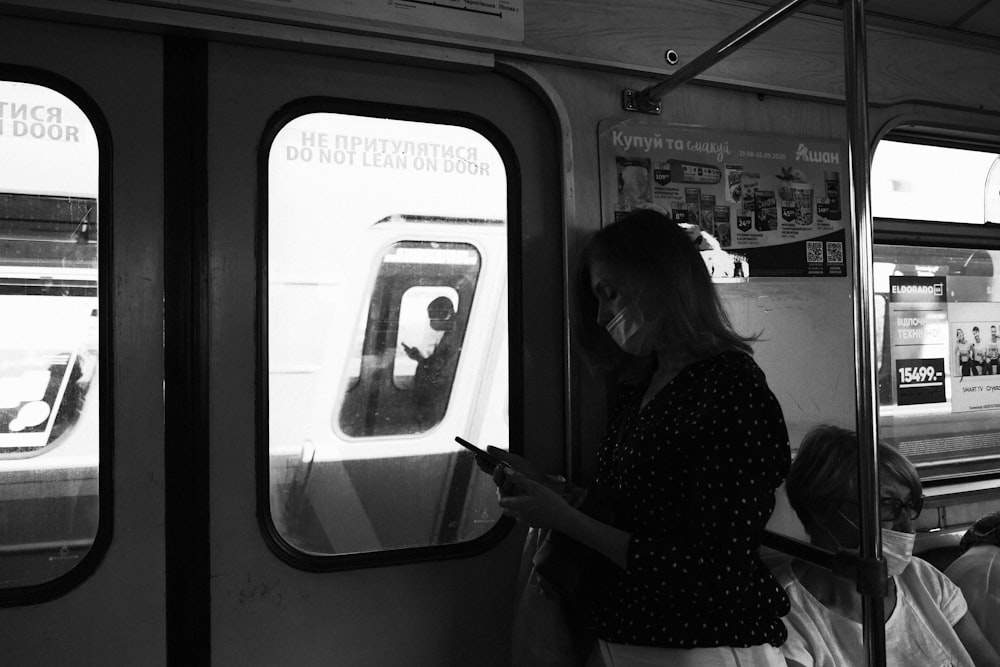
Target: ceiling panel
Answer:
pixel 965 17
pixel 985 21
pixel 942 13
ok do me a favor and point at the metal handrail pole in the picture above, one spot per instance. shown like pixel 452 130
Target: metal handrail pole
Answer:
pixel 799 550
pixel 758 26
pixel 859 161
pixel 843 562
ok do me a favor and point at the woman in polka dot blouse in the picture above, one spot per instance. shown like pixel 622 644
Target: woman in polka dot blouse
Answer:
pixel 693 454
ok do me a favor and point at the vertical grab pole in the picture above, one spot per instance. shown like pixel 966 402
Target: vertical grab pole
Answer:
pixel 858 158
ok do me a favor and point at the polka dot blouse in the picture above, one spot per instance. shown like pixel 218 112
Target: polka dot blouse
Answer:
pixel 693 475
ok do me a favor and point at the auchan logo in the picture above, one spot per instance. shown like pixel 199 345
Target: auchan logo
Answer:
pixel 805 154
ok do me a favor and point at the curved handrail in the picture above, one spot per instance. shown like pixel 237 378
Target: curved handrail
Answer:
pixel 871 575
pixel 648 100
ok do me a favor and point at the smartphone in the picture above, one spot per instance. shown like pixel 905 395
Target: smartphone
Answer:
pixel 482 454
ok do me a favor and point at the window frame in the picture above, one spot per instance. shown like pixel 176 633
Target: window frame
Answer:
pixel 372 289
pixel 933 234
pixel 285 551
pixel 88 563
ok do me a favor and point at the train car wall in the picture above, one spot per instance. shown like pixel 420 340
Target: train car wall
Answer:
pixel 131 630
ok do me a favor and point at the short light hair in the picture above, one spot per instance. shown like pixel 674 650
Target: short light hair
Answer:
pixel 825 472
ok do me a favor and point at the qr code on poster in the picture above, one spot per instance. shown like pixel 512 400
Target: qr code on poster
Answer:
pixel 814 252
pixel 835 252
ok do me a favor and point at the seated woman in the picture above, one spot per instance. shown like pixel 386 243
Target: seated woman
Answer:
pixel 927 620
pixel 977 573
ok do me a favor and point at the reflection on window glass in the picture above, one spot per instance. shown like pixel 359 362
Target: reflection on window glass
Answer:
pixel 387 331
pixel 922 182
pixel 49 346
pixel 939 376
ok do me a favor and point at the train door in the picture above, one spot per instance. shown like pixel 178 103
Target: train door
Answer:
pixel 385 252
pixel 81 356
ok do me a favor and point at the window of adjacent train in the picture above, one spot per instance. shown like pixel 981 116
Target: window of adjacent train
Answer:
pixel 386 331
pixel 49 340
pixel 925 182
pixel 938 310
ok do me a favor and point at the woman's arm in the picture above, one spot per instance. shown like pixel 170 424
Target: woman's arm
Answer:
pixel 975 643
pixel 537 505
pixel 606 540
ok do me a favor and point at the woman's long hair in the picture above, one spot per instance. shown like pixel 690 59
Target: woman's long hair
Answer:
pixel 658 259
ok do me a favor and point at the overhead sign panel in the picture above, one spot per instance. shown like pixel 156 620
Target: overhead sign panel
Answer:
pixel 500 19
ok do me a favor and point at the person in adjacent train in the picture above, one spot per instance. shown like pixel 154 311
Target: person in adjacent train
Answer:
pixel 993 352
pixel 977 573
pixel 433 376
pixel 963 353
pixel 695 447
pixel 927 620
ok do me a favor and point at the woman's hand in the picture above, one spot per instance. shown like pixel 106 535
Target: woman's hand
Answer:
pixel 526 467
pixel 516 462
pixel 522 465
pixel 537 502
pixel 529 501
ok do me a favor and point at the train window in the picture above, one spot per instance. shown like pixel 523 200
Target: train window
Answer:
pixel 416 323
pixel 49 430
pixel 938 183
pixel 386 332
pixel 937 307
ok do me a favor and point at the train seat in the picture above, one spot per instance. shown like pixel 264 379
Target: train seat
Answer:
pixel 941 557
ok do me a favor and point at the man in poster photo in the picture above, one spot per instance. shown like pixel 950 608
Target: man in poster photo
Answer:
pixel 978 353
pixel 993 352
pixel 963 353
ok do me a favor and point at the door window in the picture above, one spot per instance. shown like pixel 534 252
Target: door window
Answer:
pixel 386 330
pixel 49 426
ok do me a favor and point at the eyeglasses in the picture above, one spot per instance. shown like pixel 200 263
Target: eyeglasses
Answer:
pixel 890 509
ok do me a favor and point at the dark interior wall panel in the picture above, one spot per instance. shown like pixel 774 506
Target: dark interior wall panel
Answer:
pixel 414 614
pixel 121 72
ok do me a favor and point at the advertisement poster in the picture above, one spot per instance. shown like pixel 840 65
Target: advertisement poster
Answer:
pixel 975 356
pixel 31 389
pixel 918 329
pixel 500 19
pixel 775 203
pixel 38 361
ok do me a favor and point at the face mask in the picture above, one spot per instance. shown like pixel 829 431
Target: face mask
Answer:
pixel 897 549
pixel 625 329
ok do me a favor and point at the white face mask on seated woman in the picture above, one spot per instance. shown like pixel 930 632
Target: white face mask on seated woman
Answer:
pixel 630 330
pixel 897 547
